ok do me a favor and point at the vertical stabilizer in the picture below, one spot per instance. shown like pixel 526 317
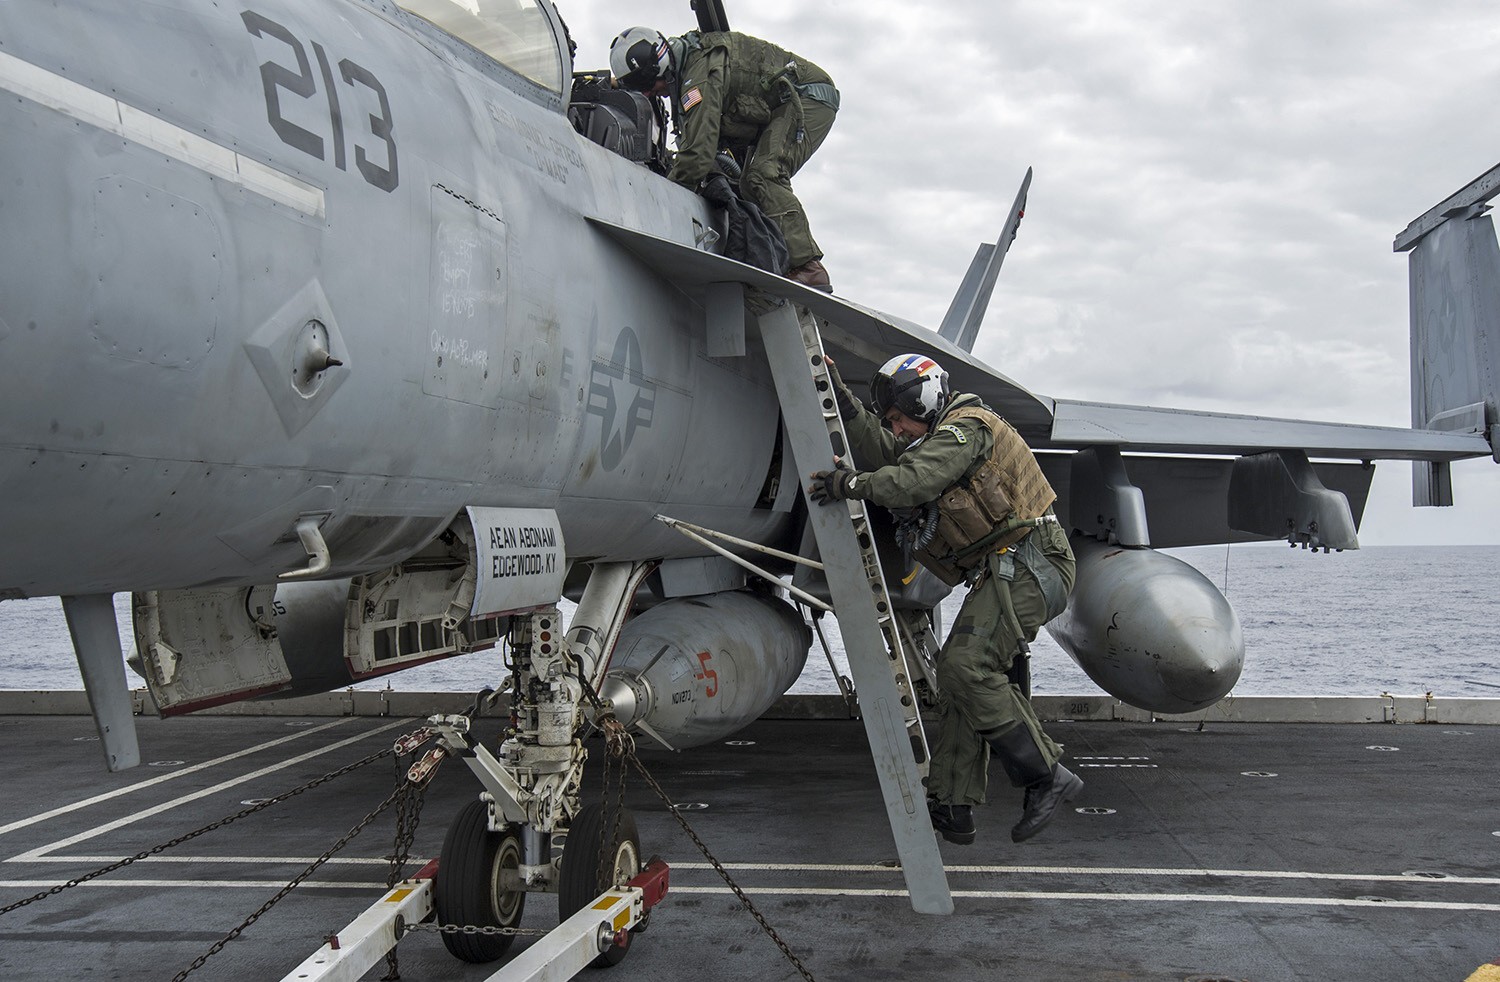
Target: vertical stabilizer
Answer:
pixel 1455 326
pixel 961 323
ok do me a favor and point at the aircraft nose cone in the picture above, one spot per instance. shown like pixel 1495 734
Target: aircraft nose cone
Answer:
pixel 1213 669
pixel 1196 638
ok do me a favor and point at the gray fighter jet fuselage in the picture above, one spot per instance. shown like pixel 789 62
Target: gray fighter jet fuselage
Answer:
pixel 279 180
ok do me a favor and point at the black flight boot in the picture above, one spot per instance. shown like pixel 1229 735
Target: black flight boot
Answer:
pixel 1043 801
pixel 1047 788
pixel 953 822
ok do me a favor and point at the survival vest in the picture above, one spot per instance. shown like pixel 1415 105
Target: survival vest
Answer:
pixel 1007 485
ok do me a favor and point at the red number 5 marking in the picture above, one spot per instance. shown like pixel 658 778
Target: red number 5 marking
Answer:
pixel 708 673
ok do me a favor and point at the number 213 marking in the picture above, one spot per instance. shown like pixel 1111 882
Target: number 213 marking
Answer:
pixel 275 78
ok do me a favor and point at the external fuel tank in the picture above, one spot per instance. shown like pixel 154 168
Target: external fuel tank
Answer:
pixel 1150 629
pixel 696 669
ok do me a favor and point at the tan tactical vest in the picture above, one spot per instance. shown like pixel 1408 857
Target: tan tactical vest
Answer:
pixel 1008 484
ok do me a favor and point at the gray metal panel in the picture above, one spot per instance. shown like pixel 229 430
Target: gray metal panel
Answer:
pixel 1277 494
pixel 1187 498
pixel 900 782
pixel 1151 430
pixel 1101 500
pixel 96 640
pixel 1455 310
pixel 699 575
pixel 1431 484
pixel 1481 189
pixel 724 310
pixel 874 336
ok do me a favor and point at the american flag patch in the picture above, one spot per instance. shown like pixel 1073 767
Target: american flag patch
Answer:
pixel 691 98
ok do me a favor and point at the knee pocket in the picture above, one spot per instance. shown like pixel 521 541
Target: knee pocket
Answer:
pixel 965 674
pixel 766 178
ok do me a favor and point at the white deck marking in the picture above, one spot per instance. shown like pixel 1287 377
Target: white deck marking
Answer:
pixel 262 860
pixel 113 116
pixel 1212 898
pixel 174 775
pixel 1098 871
pixel 41 851
pixel 201 884
pixel 853 868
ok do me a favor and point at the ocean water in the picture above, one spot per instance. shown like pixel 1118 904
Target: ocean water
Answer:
pixel 1403 619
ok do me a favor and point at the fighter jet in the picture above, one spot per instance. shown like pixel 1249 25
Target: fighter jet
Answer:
pixel 350 335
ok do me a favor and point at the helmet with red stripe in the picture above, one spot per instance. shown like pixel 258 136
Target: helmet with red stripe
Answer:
pixel 914 384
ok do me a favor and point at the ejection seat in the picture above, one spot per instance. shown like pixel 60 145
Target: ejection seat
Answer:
pixel 627 123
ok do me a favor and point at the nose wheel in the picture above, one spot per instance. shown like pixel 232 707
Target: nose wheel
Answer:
pixel 478 884
pixel 580 878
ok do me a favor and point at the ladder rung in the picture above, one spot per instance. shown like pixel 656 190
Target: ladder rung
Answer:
pixel 870 559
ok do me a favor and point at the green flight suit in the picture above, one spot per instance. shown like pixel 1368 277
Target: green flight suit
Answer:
pixel 1007 604
pixel 736 91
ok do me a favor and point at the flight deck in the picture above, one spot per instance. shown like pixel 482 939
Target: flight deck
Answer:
pixel 1221 851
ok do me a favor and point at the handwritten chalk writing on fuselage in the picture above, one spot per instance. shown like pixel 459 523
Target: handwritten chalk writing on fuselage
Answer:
pixel 458 351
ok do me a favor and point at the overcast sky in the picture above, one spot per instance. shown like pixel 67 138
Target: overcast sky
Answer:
pixel 1217 187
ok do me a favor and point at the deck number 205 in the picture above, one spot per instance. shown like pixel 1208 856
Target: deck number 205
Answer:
pixel 276 78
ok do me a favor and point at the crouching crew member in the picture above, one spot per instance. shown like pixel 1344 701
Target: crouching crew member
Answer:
pixel 735 91
pixel 996 531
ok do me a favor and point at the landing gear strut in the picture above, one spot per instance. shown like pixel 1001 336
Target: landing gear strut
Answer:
pixel 527 831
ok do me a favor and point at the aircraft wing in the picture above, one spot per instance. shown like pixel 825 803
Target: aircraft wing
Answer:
pixel 861 339
pixel 1147 429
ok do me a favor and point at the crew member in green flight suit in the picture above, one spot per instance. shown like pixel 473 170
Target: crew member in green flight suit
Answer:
pixel 995 530
pixel 731 90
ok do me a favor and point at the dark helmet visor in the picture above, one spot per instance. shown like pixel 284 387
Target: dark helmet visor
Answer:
pixel 642 55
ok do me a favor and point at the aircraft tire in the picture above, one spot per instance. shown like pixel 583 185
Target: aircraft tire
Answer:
pixel 466 889
pixel 579 881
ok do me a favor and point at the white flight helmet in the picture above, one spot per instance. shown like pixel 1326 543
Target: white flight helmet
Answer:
pixel 639 57
pixel 914 384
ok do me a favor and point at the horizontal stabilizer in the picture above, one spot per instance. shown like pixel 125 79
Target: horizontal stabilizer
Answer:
pixel 961 323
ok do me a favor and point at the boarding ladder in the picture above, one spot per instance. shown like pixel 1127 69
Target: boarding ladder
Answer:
pixel 872 638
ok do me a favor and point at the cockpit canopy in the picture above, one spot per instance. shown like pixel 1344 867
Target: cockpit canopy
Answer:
pixel 519 34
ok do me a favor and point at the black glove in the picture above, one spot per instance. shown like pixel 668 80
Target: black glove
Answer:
pixel 830 486
pixel 848 405
pixel 718 190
